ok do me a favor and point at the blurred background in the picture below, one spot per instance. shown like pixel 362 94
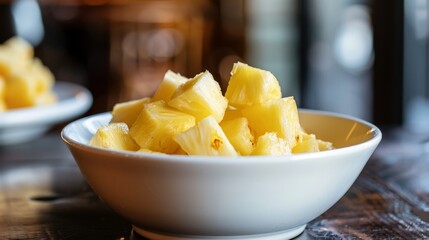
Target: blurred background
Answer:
pixel 368 59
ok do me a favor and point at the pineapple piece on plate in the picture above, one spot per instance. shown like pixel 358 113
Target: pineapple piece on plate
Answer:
pixel 280 116
pixel 206 138
pixel 30 86
pixel 15 55
pixel 23 85
pixel 168 86
pixel 271 144
pixel 2 103
pixel 200 97
pixel 308 143
pixel 157 124
pixel 238 132
pixel 128 112
pixel 249 85
pixel 114 136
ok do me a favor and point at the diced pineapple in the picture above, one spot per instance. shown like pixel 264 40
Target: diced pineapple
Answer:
pixel 20 91
pixel 15 55
pixel 128 112
pixel 30 86
pixel 42 75
pixel 249 85
pixel 324 145
pixel 200 97
pixel 2 86
pixel 144 150
pixel 280 116
pixel 114 136
pixel 20 48
pixel 168 86
pixel 3 106
pixel 232 113
pixel 156 125
pixel 308 143
pixel 180 151
pixel 238 133
pixel 271 144
pixel 206 138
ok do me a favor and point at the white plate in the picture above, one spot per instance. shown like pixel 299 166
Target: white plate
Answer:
pixel 21 125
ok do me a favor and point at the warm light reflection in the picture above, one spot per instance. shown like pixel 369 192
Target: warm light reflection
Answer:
pixel 352 130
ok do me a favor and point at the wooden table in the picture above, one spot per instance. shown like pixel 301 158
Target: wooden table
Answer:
pixel 44 196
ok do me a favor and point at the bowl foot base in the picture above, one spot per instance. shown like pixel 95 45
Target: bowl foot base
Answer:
pixel 281 235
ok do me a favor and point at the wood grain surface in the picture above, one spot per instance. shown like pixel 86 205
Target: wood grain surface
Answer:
pixel 44 196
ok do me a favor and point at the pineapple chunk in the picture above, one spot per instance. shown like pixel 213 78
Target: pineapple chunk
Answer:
pixel 280 116
pixel 2 86
pixel 157 124
pixel 309 143
pixel 2 106
pixel 114 136
pixel 15 55
pixel 30 86
pixel 168 86
pixel 200 97
pixel 180 151
pixel 232 113
pixel 271 144
pixel 20 48
pixel 324 145
pixel 248 86
pixel 205 138
pixel 23 85
pixel 42 75
pixel 238 133
pixel 128 112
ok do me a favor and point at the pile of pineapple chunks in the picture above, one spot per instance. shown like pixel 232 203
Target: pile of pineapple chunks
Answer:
pixel 24 80
pixel 192 117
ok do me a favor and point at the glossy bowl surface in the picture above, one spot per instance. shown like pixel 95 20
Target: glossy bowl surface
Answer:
pixel 201 197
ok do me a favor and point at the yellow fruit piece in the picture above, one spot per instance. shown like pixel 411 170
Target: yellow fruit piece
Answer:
pixel 128 112
pixel 324 145
pixel 238 133
pixel 27 81
pixel 114 136
pixel 157 124
pixel 232 113
pixel 308 143
pixel 206 138
pixel 180 151
pixel 2 106
pixel 248 86
pixel 200 97
pixel 168 86
pixel 15 54
pixel 279 116
pixel 271 144
pixel 20 91
pixel 20 48
pixel 42 75
pixel 2 87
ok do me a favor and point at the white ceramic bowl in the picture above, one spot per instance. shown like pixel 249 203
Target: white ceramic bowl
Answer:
pixel 200 197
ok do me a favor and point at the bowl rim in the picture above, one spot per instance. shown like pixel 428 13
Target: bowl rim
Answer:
pixel 373 141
